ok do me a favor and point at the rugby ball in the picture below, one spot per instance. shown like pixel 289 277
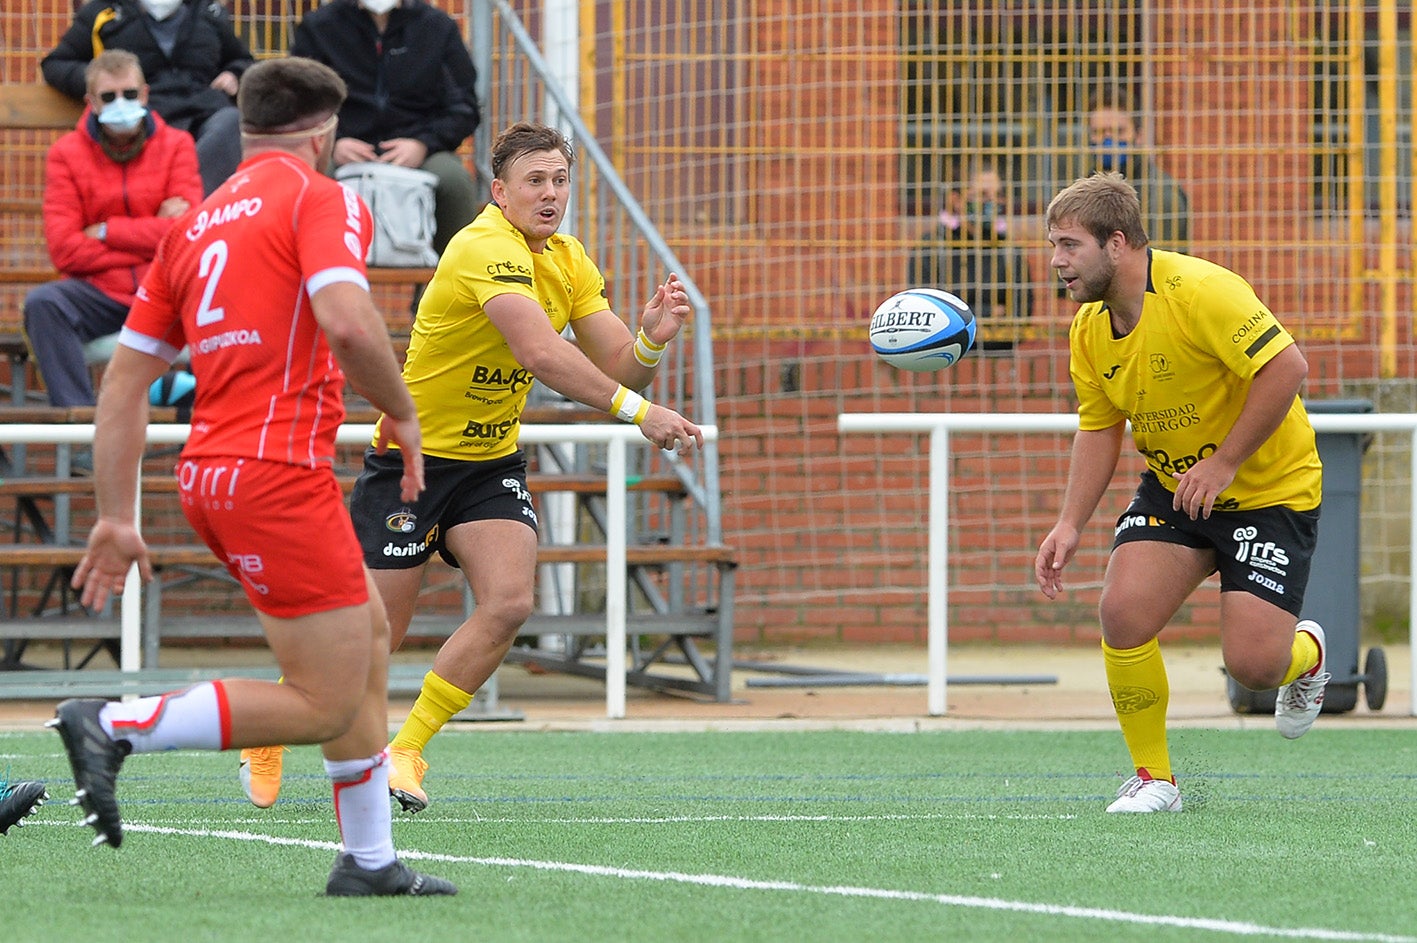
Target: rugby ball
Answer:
pixel 922 329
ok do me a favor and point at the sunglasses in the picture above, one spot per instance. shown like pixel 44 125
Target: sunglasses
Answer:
pixel 107 97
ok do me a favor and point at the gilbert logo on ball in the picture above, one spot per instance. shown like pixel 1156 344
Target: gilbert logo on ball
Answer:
pixel 922 329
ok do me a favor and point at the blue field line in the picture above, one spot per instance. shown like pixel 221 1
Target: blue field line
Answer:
pixel 725 882
pixel 132 772
pixel 128 800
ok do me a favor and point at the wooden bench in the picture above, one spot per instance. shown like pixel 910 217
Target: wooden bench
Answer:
pixel 678 628
pixel 37 107
pixel 53 685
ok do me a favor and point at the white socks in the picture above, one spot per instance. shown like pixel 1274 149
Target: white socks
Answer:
pixel 194 719
pixel 198 719
pixel 362 808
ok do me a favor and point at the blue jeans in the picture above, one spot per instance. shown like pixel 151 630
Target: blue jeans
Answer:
pixel 60 318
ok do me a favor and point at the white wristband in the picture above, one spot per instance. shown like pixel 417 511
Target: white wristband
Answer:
pixel 629 406
pixel 647 352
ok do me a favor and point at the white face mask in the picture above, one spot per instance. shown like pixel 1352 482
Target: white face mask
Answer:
pixel 161 9
pixel 378 7
pixel 122 115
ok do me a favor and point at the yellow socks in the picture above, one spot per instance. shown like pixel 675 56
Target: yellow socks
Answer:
pixel 1136 678
pixel 1303 657
pixel 437 702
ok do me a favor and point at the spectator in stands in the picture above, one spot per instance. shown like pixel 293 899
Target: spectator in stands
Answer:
pixel 967 254
pixel 266 281
pixel 19 799
pixel 1115 143
pixel 191 56
pixel 411 97
pixel 1182 351
pixel 489 326
pixel 112 188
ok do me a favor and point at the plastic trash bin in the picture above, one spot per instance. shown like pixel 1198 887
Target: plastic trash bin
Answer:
pixel 1332 596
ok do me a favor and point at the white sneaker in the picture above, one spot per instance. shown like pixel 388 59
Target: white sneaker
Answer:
pixel 1298 703
pixel 1147 795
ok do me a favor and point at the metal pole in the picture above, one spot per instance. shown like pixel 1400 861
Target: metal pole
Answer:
pixel 1412 581
pixel 937 612
pixel 616 603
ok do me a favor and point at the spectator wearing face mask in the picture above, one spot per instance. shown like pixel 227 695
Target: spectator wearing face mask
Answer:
pixel 968 255
pixel 191 56
pixel 112 188
pixel 1115 145
pixel 411 97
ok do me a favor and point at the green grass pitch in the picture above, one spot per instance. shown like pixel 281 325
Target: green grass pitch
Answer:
pixel 815 835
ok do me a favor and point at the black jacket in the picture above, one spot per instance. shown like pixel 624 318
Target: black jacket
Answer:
pixel 417 82
pixel 179 87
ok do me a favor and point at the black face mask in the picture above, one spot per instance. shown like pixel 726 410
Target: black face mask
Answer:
pixel 983 218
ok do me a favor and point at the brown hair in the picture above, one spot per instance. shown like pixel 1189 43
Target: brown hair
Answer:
pixel 291 94
pixel 525 138
pixel 1116 98
pixel 1102 204
pixel 111 62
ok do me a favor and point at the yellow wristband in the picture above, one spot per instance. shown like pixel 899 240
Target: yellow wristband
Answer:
pixel 618 400
pixel 647 352
pixel 628 406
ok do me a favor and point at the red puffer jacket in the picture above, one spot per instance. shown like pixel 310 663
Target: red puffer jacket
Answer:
pixel 83 185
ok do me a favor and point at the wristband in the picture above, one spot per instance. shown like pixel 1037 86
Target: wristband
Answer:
pixel 628 406
pixel 647 352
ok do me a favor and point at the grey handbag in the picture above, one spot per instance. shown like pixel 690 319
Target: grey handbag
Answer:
pixel 402 203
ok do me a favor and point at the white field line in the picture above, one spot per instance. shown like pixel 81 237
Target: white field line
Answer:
pixel 424 819
pixel 1237 927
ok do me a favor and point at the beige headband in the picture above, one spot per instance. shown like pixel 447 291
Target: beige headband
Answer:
pixel 324 127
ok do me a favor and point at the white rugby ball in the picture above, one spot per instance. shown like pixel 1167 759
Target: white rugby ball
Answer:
pixel 922 329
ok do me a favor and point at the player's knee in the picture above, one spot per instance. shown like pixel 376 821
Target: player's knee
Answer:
pixel 509 611
pixel 1253 674
pixel 336 717
pixel 1120 627
pixel 334 709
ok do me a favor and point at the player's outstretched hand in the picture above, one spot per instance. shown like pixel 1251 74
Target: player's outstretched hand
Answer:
pixel 664 314
pixel 671 431
pixel 406 434
pixel 112 550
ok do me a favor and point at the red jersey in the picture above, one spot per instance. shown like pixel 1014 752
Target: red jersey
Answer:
pixel 232 280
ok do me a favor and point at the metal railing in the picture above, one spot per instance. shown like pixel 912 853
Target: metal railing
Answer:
pixel 615 438
pixel 941 425
pixel 517 84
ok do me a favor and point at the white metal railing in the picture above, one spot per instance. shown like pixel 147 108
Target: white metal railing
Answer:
pixel 616 438
pixel 940 425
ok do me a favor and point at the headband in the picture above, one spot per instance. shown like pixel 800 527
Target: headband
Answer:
pixel 324 127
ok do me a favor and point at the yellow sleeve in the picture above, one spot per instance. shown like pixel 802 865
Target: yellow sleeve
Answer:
pixel 1095 410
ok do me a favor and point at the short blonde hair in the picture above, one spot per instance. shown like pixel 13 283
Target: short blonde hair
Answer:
pixel 111 62
pixel 1102 204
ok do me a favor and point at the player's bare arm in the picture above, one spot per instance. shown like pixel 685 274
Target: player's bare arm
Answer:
pixel 360 341
pixel 1094 460
pixel 121 422
pixel 561 365
pixel 632 359
pixel 1271 395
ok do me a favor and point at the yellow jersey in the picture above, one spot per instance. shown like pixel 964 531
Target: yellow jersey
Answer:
pixel 1181 378
pixel 469 389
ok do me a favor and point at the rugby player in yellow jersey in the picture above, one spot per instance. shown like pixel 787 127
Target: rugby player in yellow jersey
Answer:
pixel 488 325
pixel 1183 350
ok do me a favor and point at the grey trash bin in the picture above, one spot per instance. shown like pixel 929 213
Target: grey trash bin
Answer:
pixel 1332 596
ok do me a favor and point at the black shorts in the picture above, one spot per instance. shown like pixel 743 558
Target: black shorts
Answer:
pixel 395 535
pixel 1264 552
